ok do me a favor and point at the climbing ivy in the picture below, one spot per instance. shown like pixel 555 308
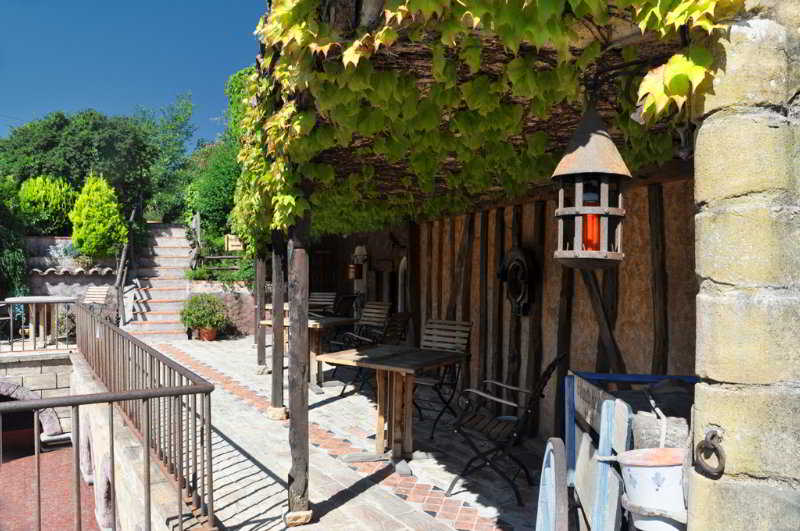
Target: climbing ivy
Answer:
pixel 320 88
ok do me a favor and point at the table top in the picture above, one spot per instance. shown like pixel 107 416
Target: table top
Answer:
pixel 318 322
pixel 396 358
pixel 268 306
pixel 40 299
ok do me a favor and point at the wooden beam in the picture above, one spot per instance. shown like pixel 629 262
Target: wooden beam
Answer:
pixel 298 367
pixel 461 269
pixel 512 346
pixel 535 346
pixel 610 301
pixel 658 280
pixel 278 287
pixel 616 363
pixel 424 275
pixel 563 342
pixel 413 278
pixel 261 280
pixel 483 300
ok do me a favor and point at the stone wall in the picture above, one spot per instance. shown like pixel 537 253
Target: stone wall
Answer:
pixel 128 464
pixel 748 261
pixel 42 375
pixel 240 302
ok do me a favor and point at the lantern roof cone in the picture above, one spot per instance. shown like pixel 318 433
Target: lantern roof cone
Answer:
pixel 591 150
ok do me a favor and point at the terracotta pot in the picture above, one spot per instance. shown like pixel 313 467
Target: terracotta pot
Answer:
pixel 207 334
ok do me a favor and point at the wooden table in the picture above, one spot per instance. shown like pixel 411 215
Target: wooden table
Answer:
pixel 43 313
pixel 316 329
pixel 396 369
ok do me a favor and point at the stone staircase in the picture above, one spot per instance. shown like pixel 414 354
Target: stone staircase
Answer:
pixel 160 287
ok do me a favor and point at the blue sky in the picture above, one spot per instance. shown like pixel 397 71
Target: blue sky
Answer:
pixel 112 56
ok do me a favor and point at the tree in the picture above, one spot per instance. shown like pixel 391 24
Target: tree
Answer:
pixel 98 228
pixel 45 203
pixel 214 176
pixel 169 130
pixel 72 146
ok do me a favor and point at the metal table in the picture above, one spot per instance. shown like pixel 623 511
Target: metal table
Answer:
pixel 396 369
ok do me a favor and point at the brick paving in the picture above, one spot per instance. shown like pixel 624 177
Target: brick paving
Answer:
pixel 18 497
pixel 346 496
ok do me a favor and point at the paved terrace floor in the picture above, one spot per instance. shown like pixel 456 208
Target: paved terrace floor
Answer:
pixel 251 458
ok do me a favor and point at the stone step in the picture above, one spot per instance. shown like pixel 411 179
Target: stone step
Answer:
pixel 166 292
pixel 156 315
pixel 165 282
pixel 155 335
pixel 169 241
pixel 165 272
pixel 157 305
pixel 166 229
pixel 163 261
pixel 170 325
pixel 165 250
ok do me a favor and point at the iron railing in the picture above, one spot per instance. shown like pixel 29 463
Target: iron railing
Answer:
pixel 159 400
pixel 45 323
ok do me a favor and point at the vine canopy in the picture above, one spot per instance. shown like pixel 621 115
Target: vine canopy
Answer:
pixel 375 111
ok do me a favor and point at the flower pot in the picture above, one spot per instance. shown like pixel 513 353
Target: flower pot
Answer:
pixel 654 488
pixel 207 334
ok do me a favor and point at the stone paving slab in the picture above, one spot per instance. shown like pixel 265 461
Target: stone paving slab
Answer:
pixel 253 463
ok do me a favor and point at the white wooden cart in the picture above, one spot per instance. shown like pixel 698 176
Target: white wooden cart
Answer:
pixel 574 484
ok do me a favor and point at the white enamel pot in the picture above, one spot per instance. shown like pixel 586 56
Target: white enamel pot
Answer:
pixel 653 480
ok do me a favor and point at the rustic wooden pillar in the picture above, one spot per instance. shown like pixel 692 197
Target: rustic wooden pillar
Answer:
pixel 277 410
pixel 563 342
pixel 261 274
pixel 610 302
pixel 299 512
pixel 658 279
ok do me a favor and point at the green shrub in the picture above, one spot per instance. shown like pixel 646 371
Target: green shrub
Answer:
pixel 200 273
pixel 98 229
pixel 45 203
pixel 12 263
pixel 204 311
pixel 214 174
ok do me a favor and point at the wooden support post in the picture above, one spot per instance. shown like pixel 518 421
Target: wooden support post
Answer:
pixel 413 274
pixel 563 343
pixel 277 410
pixel 299 512
pixel 483 258
pixel 610 298
pixel 658 280
pixel 617 364
pixel 532 349
pixel 513 356
pixel 261 273
pixel 461 269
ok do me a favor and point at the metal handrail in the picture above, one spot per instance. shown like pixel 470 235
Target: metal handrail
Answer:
pixel 158 398
pixel 122 271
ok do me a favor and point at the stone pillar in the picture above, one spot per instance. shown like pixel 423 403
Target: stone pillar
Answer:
pixel 748 262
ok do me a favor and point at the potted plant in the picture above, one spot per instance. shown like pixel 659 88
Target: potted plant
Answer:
pixel 204 313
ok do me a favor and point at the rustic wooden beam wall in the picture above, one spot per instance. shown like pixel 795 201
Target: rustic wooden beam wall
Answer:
pixel 483 295
pixel 563 342
pixel 414 298
pixel 436 267
pixel 658 279
pixel 424 273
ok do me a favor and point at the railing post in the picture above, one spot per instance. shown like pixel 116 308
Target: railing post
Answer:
pixel 146 449
pixel 38 474
pixel 76 465
pixel 210 484
pixel 112 475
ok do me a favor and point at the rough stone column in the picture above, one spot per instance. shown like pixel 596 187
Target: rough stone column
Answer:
pixel 747 249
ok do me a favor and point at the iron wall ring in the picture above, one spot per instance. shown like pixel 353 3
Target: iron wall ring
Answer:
pixel 710 446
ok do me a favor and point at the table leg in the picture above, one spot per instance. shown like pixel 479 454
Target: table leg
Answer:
pixel 397 416
pixel 408 406
pixel 314 348
pixel 380 427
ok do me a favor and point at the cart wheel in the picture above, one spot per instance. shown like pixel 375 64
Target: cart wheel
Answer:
pixel 552 510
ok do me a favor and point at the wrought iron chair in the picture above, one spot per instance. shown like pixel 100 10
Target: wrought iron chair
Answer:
pixel 394 333
pixel 479 422
pixel 450 336
pixel 341 306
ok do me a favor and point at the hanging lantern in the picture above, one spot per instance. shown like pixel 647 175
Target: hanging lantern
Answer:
pixel 590 209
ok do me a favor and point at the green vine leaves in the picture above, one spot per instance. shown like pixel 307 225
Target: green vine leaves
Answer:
pixel 460 133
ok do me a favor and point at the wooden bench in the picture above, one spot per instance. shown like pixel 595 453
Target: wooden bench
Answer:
pixel 96 295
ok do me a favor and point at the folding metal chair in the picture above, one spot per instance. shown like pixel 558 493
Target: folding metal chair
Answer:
pixel 450 336
pixel 479 422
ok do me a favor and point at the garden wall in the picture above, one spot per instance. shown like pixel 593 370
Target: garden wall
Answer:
pixel 240 302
